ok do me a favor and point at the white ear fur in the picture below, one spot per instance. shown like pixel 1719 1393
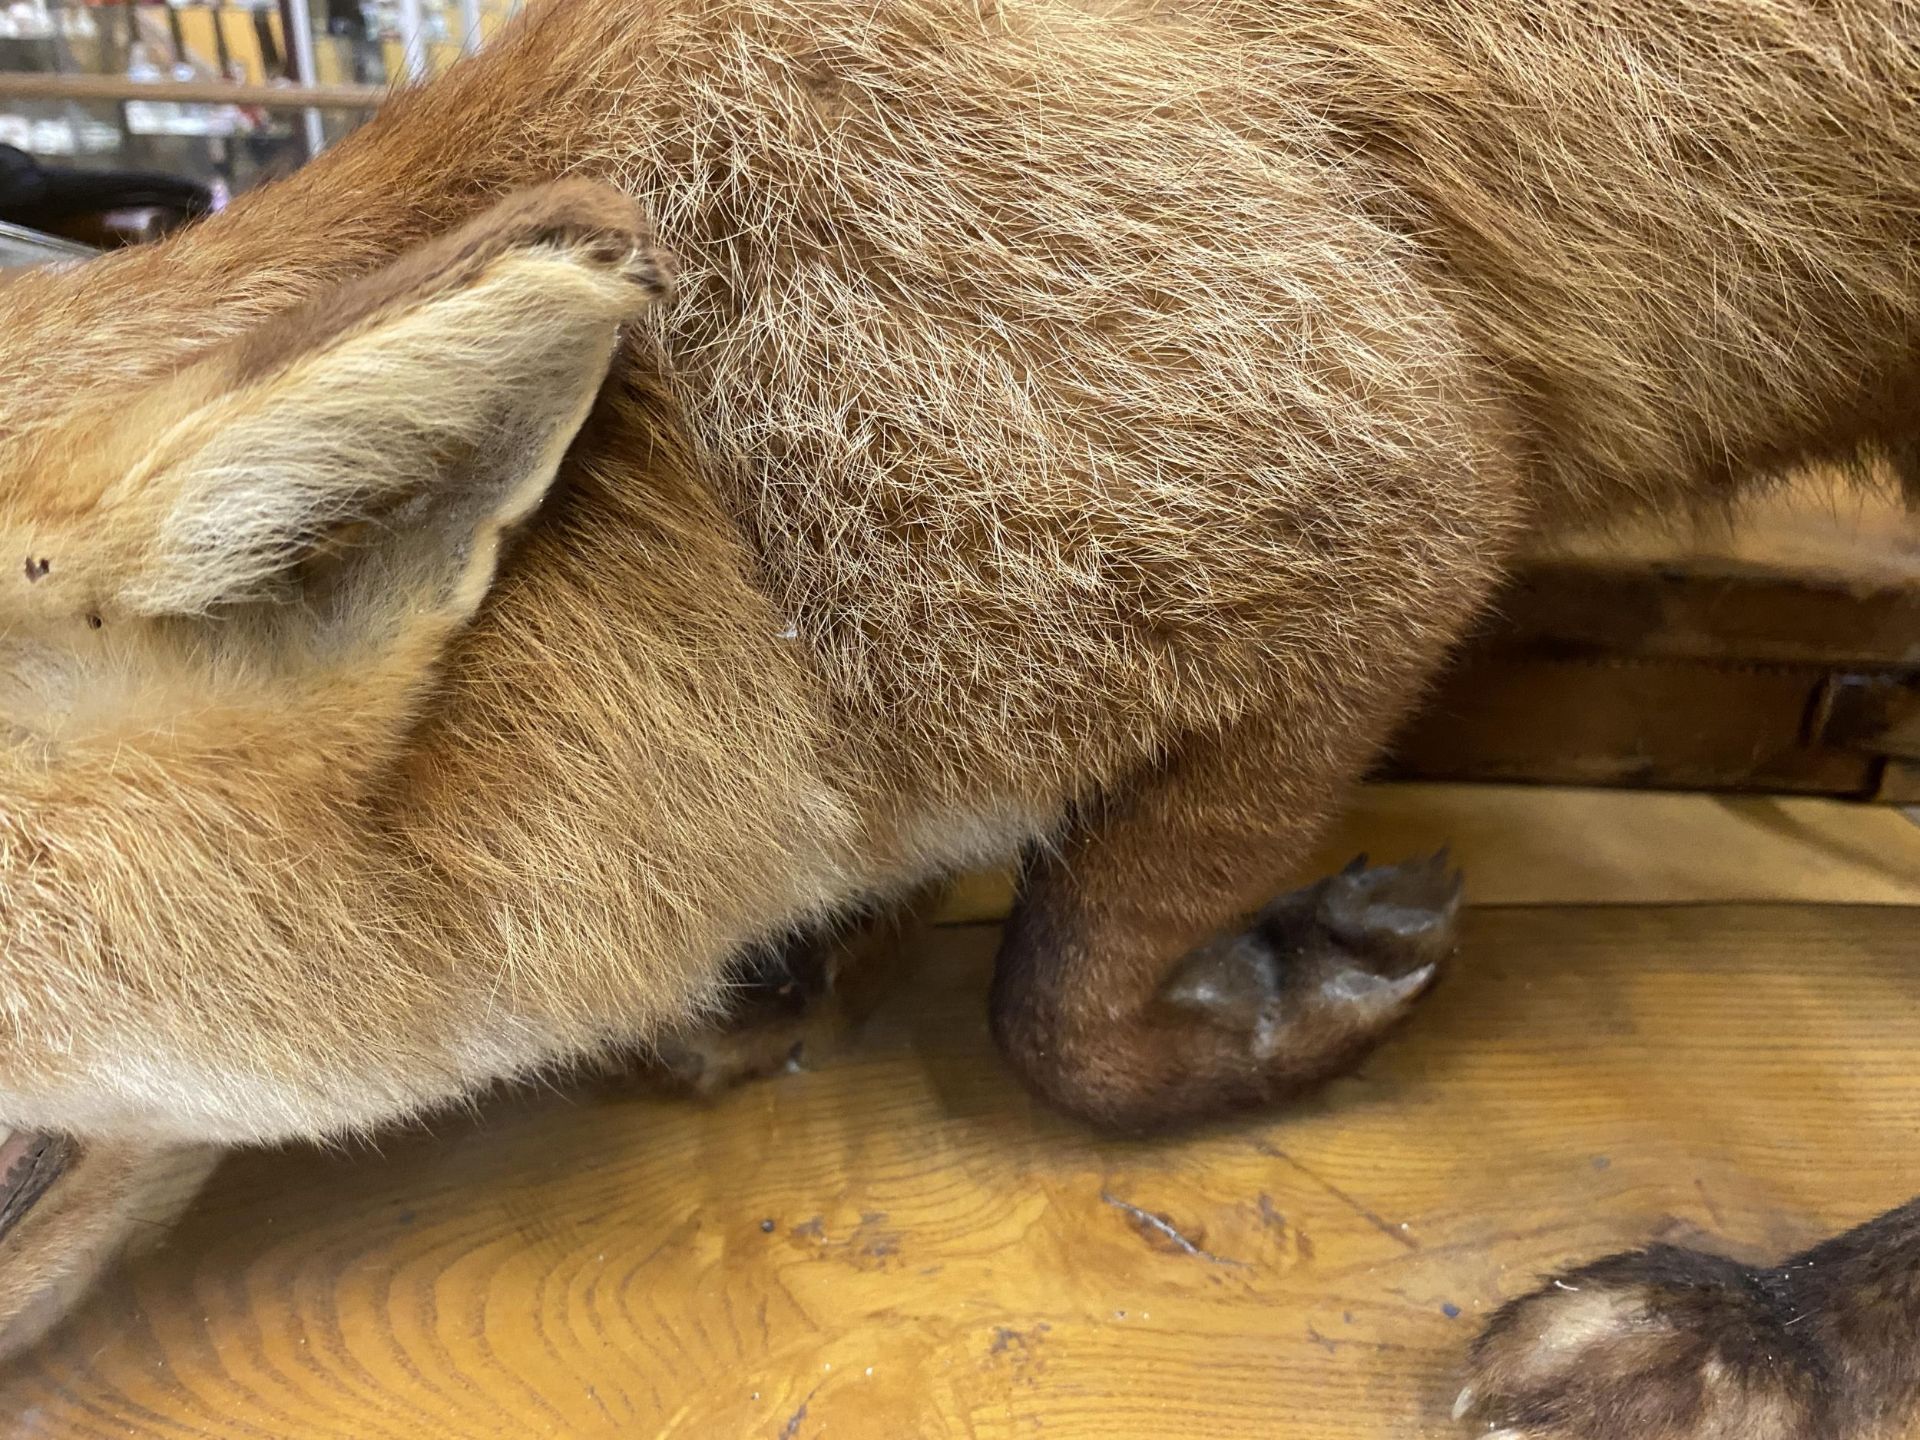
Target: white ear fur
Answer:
pixel 440 422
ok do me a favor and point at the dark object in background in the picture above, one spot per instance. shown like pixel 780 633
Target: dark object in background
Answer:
pixel 101 208
pixel 347 20
pixel 1786 664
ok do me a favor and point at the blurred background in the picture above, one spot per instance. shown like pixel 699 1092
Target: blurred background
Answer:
pixel 120 119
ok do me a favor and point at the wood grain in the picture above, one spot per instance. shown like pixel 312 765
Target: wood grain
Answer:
pixel 901 1245
pixel 1555 845
pixel 1778 657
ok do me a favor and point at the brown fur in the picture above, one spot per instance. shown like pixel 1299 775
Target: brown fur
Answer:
pixel 1672 1344
pixel 1077 425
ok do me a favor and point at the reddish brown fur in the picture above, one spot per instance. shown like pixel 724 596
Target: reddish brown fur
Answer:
pixel 1076 424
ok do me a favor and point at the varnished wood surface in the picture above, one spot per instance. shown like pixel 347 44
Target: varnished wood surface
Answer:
pixel 901 1245
pixel 1774 657
pixel 1554 845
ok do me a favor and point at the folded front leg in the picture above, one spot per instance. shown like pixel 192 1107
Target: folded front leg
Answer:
pixel 1148 977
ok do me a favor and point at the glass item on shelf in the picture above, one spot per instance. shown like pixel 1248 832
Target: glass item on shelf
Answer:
pixel 19 246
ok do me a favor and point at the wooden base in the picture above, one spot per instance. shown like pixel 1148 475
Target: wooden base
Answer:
pixel 902 1245
pixel 1779 658
pixel 1544 845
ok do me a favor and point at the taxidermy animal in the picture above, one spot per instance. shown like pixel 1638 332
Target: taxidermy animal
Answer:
pixel 704 467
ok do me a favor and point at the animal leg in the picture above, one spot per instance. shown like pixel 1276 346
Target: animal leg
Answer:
pixel 1675 1344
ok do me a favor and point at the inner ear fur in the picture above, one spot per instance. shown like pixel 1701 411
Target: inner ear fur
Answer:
pixel 430 402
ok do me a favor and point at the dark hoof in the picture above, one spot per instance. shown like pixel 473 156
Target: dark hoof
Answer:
pixel 1324 972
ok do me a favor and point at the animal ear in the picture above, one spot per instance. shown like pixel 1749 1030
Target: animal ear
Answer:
pixel 369 450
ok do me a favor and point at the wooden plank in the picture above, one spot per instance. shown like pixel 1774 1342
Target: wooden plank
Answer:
pixel 1697 611
pixel 1707 661
pixel 903 1245
pixel 1544 845
pixel 1629 721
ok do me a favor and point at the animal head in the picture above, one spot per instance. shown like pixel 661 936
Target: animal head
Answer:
pixel 225 593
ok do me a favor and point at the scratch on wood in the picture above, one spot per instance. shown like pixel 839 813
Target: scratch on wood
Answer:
pixel 1146 1220
pixel 792 1427
pixel 1392 1232
pixel 1333 1347
pixel 594 1395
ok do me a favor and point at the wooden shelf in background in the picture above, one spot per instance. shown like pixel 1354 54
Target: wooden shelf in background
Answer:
pixel 1552 845
pixel 110 88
